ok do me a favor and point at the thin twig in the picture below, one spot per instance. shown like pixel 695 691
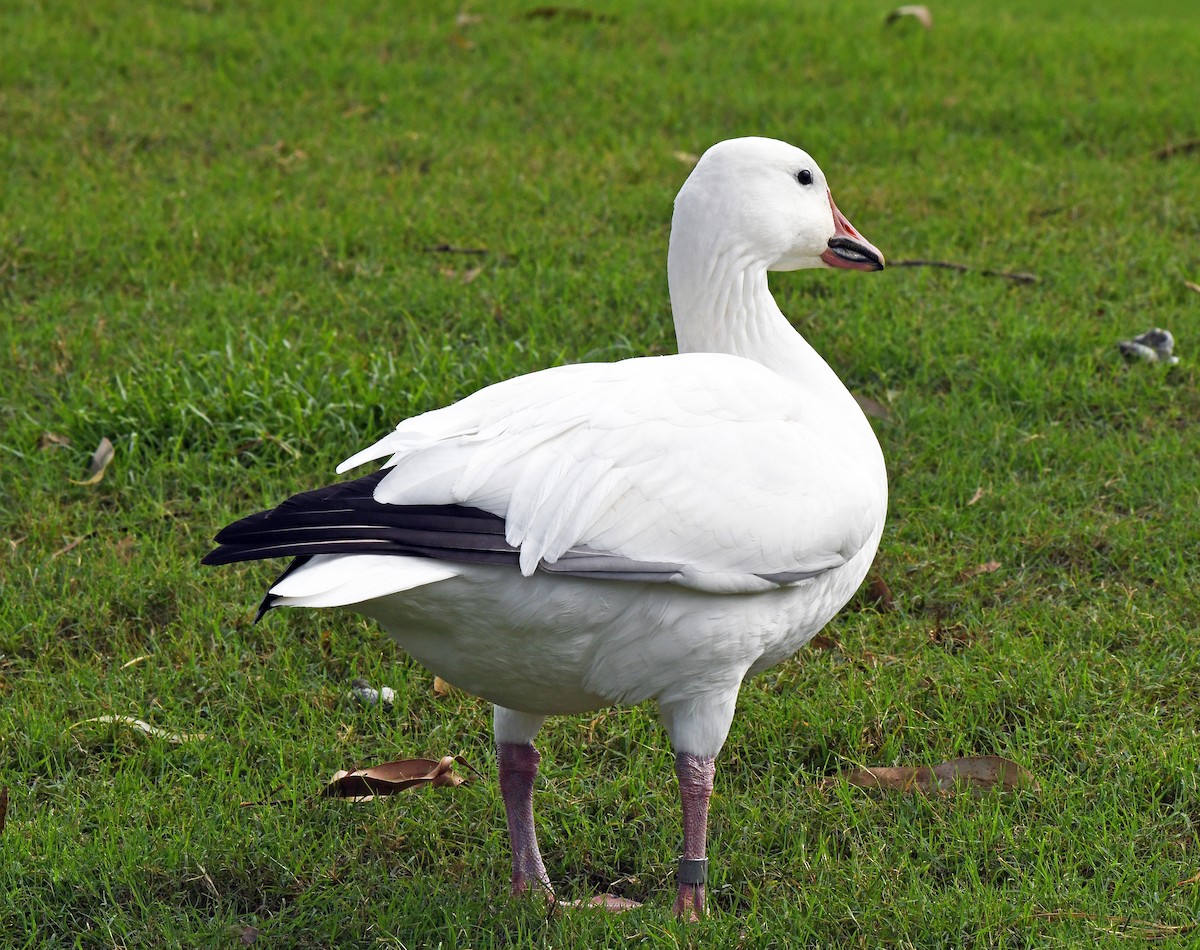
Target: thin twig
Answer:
pixel 1020 277
pixel 1146 929
pixel 452 249
pixel 1177 148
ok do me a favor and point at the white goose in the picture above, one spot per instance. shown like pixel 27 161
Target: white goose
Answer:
pixel 657 528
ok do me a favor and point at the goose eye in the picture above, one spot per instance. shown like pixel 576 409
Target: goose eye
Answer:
pixel 804 176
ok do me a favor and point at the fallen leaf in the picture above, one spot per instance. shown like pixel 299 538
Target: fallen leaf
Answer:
pixel 976 772
pixel 362 785
pixel 142 726
pixel 821 642
pixel 52 440
pixel 919 13
pixel 872 408
pixel 879 595
pixel 3 806
pixel 99 462
pixel 441 687
pixel 979 493
pixel 245 934
pixel 978 569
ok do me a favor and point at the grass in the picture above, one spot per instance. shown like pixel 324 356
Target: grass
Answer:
pixel 216 224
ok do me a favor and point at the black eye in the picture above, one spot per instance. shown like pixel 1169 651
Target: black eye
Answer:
pixel 804 176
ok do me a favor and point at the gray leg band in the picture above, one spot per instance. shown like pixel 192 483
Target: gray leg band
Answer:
pixel 692 871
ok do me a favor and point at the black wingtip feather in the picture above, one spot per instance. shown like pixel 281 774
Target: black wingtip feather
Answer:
pixel 345 518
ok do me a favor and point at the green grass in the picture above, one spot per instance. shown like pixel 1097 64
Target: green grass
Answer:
pixel 215 233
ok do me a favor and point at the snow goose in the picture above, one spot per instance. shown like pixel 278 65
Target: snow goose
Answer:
pixel 657 528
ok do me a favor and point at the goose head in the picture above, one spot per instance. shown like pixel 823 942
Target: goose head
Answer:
pixel 766 202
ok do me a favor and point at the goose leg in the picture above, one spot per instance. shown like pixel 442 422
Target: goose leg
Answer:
pixel 695 788
pixel 518 763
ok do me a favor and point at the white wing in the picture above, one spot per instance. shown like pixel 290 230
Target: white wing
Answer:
pixel 708 462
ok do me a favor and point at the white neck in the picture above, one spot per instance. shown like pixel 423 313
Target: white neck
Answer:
pixel 722 304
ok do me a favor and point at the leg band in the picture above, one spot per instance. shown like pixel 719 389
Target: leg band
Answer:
pixel 692 871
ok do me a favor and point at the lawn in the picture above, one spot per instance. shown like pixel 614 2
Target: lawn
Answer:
pixel 241 241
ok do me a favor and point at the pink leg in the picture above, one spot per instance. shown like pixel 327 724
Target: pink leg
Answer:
pixel 518 768
pixel 695 789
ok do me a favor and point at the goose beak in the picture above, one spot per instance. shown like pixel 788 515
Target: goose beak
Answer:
pixel 848 248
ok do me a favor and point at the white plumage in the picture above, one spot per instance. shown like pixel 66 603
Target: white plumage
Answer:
pixel 677 523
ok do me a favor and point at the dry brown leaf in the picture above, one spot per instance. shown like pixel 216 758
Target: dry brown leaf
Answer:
pixel 52 440
pixel 979 493
pixel 96 467
pixel 821 642
pixel 919 13
pixel 876 410
pixel 976 772
pixel 978 569
pixel 362 785
pixel 879 595
pixel 144 727
pixel 441 687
